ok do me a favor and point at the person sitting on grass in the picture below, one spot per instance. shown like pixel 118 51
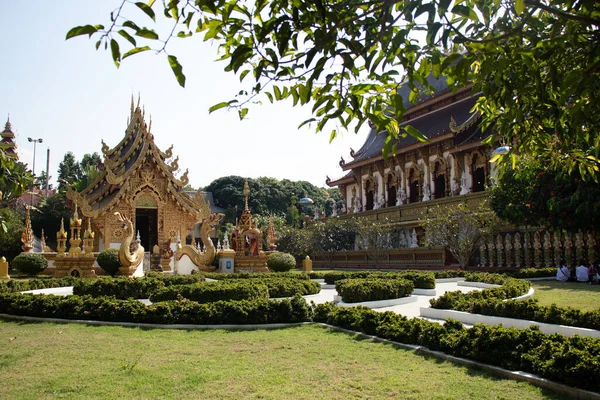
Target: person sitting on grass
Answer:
pixel 563 273
pixel 582 272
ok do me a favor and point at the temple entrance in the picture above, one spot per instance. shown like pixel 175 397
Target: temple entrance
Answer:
pixel 414 191
pixel 391 193
pixel 146 223
pixel 370 200
pixel 478 180
pixel 439 187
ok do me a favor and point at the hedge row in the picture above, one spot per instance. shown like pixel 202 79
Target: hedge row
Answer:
pixel 420 279
pixel 258 275
pixel 121 287
pixel 208 292
pixel 359 290
pixel 511 288
pixel 260 311
pixel 290 287
pixel 34 284
pixel 562 359
pixel 170 280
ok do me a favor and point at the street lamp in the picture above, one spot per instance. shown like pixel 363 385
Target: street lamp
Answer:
pixel 35 141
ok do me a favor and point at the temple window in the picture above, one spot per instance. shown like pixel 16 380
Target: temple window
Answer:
pixel 392 191
pixel 414 186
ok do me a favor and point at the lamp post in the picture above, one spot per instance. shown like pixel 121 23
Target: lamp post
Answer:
pixel 35 141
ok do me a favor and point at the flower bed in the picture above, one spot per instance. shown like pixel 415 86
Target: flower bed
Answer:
pixel 360 290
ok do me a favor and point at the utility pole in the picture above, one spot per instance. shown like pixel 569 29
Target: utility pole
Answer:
pixel 47 169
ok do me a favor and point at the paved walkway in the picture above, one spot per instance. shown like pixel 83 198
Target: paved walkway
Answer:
pixel 409 310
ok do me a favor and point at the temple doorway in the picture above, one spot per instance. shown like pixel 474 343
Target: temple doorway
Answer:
pixel 439 186
pixel 479 180
pixel 392 193
pixel 146 223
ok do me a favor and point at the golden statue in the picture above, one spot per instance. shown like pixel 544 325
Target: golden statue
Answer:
pixel 27 234
pixel 202 260
pixel 131 253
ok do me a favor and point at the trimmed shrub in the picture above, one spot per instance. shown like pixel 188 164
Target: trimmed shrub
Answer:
pixel 291 287
pixel 108 260
pixel 420 279
pixel 256 275
pixel 120 288
pixel 208 292
pixel 359 290
pixel 281 262
pixel 259 311
pixel 316 275
pixel 29 263
pixel 170 280
pixel 34 284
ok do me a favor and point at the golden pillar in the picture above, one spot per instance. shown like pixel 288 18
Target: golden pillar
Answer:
pixel 4 269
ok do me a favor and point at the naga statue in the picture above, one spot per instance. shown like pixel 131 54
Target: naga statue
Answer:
pixel 202 260
pixel 131 252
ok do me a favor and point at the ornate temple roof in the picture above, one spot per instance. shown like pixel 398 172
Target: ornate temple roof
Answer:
pixel 123 162
pixel 8 140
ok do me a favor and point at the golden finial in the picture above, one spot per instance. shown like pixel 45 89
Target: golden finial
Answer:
pixel 138 102
pixel 150 124
pixel 132 109
pixel 246 193
pixel 8 126
pixel 27 234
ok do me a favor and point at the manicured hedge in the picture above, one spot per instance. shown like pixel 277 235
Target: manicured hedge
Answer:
pixel 290 287
pixel 525 273
pixel 259 311
pixel 29 263
pixel 121 287
pixel 281 262
pixel 316 274
pixel 256 275
pixel 207 292
pixel 34 284
pixel 562 359
pixel 359 290
pixel 420 279
pixel 510 289
pixel 170 280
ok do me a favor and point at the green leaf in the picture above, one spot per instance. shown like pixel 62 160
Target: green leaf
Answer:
pixel 147 33
pixel 520 6
pixel 308 121
pixel 135 50
pixel 83 30
pixel 332 136
pixel 177 70
pixel 415 133
pixel 116 54
pixel 127 36
pixel 147 9
pixel 242 113
pixel 216 107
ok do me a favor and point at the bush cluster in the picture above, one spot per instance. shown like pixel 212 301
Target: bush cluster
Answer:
pixel 556 357
pixel 29 263
pixel 207 292
pixel 510 288
pixel 120 287
pixel 34 284
pixel 260 311
pixel 420 279
pixel 287 287
pixel 359 290
pixel 254 275
pixel 108 260
pixel 170 280
pixel 316 274
pixel 281 262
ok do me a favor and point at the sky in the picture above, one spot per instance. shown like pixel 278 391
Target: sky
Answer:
pixel 72 96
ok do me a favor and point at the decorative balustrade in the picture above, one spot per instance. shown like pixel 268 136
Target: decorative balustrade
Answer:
pixel 411 258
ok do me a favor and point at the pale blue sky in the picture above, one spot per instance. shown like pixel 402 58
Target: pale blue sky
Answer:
pixel 72 96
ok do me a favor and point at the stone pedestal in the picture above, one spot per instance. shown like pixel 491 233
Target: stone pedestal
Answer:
pixel 307 264
pixel 251 263
pixel 4 269
pixel 79 266
pixel 226 261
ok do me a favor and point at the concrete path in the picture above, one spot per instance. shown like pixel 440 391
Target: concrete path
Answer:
pixel 409 310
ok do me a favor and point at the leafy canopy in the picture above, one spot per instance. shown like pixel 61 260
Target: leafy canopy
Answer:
pixel 536 62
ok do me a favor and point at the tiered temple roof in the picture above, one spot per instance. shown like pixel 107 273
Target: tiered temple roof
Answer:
pixel 125 162
pixel 8 140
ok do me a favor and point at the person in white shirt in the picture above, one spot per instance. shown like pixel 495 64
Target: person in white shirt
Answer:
pixel 582 272
pixel 563 273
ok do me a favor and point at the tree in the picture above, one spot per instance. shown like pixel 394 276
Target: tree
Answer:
pixel 374 238
pixel 69 171
pixel 15 179
pixel 47 217
pixel 41 179
pixel 460 228
pixel 10 238
pixel 535 193
pixel 536 62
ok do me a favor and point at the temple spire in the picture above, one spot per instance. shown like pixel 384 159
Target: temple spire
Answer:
pixel 246 193
pixel 132 109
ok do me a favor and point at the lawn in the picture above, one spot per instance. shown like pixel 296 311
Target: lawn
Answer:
pixel 44 360
pixel 584 296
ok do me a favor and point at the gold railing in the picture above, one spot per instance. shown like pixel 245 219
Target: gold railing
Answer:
pixel 408 214
pixel 411 258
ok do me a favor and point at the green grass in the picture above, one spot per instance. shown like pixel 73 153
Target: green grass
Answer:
pixel 584 296
pixel 73 361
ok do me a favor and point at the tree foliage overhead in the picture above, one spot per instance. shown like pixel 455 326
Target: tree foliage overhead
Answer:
pixel 15 179
pixel 536 62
